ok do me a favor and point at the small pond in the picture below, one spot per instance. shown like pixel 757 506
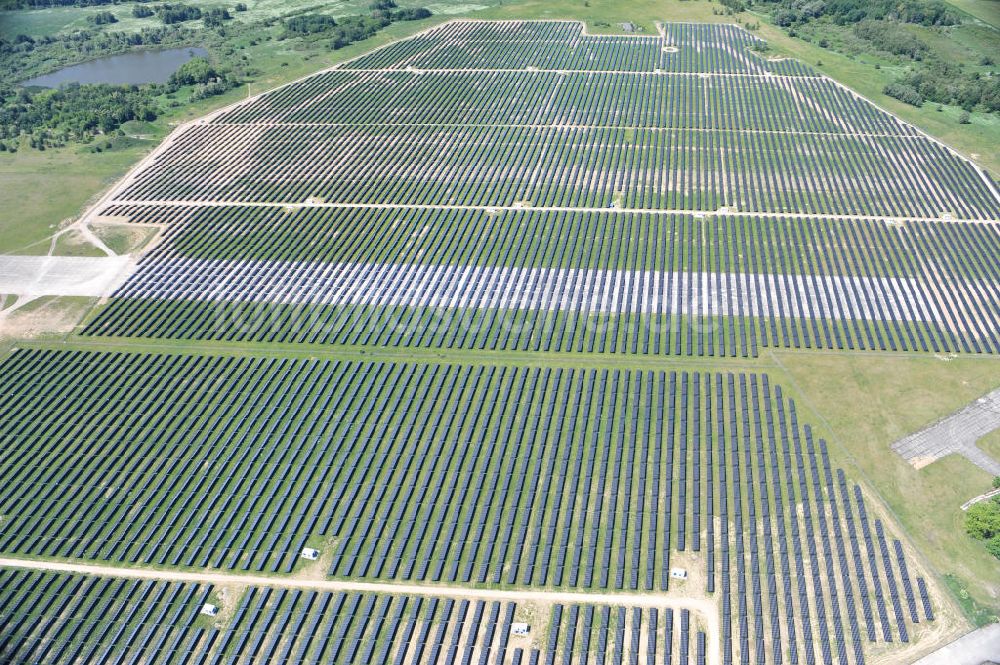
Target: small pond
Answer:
pixel 135 67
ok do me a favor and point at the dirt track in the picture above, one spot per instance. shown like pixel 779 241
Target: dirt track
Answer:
pixel 706 610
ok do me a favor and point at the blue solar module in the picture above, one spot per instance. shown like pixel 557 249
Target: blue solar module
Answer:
pixel 668 640
pixel 904 575
pixel 685 629
pixel 925 599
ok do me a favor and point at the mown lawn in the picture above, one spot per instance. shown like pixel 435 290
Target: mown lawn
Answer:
pixel 863 403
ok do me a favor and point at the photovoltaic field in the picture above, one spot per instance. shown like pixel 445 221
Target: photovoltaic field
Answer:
pixel 461 474
pixel 524 186
pixel 605 282
pixel 494 186
pixel 75 618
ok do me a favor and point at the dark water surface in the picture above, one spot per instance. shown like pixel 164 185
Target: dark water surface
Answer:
pixel 136 67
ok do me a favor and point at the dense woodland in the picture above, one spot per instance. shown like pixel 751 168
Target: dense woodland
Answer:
pixel 352 28
pixel 844 12
pixel 81 113
pixel 74 112
pixel 887 27
pixel 52 118
pixel 41 4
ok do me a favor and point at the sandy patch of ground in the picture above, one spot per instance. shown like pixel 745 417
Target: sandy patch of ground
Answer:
pixel 42 316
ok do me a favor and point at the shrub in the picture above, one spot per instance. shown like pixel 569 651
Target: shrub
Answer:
pixel 195 70
pixel 170 14
pixel 891 38
pixel 102 18
pixel 411 14
pixel 309 24
pixel 904 92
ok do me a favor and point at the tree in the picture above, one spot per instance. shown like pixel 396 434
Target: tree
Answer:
pixel 904 93
pixel 982 520
pixel 964 118
pixel 177 13
pixel 213 18
pixel 309 24
pixel 195 70
pixel 102 18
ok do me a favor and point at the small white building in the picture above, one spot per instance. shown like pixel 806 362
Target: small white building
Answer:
pixel 208 609
pixel 679 573
pixel 310 554
pixel 519 629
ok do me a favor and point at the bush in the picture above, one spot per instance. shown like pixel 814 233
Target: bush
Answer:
pixel 964 118
pixel 195 70
pixel 102 18
pixel 784 18
pixel 141 11
pixel 357 28
pixel 982 520
pixel 241 7
pixel 891 38
pixel 904 93
pixel 170 14
pixel 309 24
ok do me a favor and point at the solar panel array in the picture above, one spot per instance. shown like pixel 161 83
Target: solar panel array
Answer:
pixel 60 617
pixel 483 475
pixel 388 201
pixel 558 281
pixel 63 618
pixel 556 166
pixel 495 186
pixel 563 45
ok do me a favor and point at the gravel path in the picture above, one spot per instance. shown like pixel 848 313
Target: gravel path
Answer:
pixel 707 611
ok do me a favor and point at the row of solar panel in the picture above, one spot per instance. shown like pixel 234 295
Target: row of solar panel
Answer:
pixel 59 617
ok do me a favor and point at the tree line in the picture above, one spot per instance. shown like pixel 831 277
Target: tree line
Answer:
pixel 52 118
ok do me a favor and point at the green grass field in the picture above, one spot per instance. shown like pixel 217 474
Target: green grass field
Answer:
pixel 866 404
pixel 991 443
pixel 60 20
pixel 31 212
